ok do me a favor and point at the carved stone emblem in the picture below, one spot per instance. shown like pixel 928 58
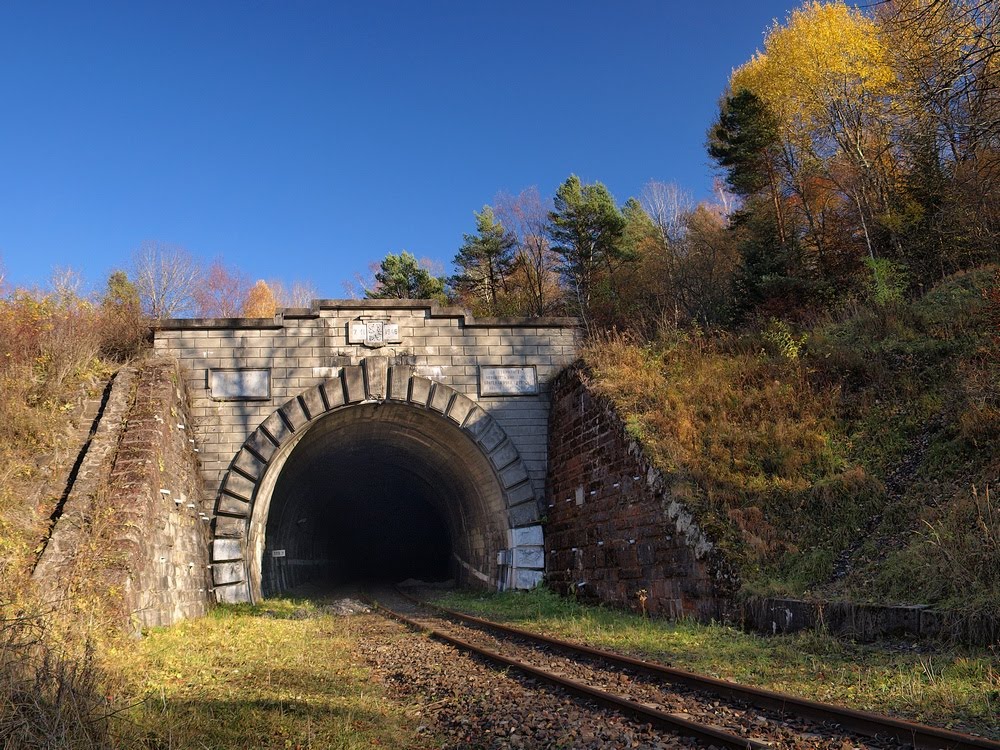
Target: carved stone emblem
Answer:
pixel 373 333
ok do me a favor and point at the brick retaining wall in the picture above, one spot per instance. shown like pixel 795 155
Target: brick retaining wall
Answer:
pixel 613 526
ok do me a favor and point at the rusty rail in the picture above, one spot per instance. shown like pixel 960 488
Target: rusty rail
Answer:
pixel 918 736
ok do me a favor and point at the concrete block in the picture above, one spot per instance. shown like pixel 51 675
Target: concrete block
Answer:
pixel 529 557
pixel 521 493
pixel 504 455
pixel 491 437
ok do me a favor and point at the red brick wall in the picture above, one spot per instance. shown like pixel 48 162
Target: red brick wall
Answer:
pixel 613 526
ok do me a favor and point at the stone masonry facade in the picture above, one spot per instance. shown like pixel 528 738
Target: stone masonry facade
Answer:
pixel 303 348
pixel 614 532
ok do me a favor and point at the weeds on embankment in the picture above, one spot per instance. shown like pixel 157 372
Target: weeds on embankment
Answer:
pixel 953 687
pixel 851 458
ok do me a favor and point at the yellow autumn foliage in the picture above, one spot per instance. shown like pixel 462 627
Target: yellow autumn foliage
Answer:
pixel 824 72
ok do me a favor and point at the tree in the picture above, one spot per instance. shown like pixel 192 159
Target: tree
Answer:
pixel 744 142
pixel 402 277
pixel 124 330
pixel 586 230
pixel 534 283
pixel 298 294
pixel 485 261
pixel 166 277
pixel 260 302
pixel 826 78
pixel 222 292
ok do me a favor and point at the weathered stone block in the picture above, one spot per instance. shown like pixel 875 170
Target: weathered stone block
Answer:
pixel 440 398
pixel 312 399
pixel 334 390
pixel 231 572
pixel 420 390
pixel 354 383
pixel 224 550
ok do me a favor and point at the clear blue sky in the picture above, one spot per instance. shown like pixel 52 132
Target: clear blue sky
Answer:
pixel 303 140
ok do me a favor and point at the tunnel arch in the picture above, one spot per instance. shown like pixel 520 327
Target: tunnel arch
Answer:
pixel 459 462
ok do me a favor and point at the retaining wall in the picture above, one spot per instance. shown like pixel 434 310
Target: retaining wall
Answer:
pixel 614 526
pixel 131 526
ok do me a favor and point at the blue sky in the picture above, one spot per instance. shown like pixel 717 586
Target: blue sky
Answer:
pixel 303 140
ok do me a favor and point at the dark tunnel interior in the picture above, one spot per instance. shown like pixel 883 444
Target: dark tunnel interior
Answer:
pixel 379 495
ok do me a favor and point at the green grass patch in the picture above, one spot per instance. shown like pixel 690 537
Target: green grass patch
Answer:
pixel 951 687
pixel 278 675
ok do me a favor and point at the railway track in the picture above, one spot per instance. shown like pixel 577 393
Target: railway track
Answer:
pixel 714 712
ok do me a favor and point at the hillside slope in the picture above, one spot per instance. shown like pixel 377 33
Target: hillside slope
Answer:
pixel 857 458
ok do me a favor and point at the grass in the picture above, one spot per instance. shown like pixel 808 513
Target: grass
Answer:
pixel 277 675
pixel 950 687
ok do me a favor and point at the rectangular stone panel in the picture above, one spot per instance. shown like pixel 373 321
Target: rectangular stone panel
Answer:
pixel 491 437
pixel 249 464
pixel 527 579
pixel 529 557
pixel 508 380
pixel 244 384
pixel 520 494
pixel 354 380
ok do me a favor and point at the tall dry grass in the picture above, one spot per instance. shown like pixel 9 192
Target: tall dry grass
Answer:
pixel 55 348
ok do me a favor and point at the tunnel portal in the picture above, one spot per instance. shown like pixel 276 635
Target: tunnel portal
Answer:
pixel 381 492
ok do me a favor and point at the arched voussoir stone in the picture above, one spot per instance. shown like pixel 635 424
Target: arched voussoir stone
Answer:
pixel 375 380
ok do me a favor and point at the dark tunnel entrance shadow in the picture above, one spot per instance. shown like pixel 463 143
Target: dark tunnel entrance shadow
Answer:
pixel 377 495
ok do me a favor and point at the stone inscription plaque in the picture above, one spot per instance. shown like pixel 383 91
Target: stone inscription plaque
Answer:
pixel 373 333
pixel 239 385
pixel 508 381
